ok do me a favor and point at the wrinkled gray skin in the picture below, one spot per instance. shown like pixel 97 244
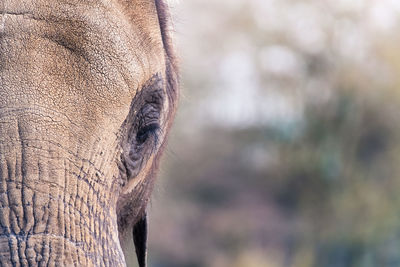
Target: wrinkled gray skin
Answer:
pixel 87 91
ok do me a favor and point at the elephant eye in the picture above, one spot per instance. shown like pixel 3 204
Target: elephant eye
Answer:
pixel 143 127
pixel 145 132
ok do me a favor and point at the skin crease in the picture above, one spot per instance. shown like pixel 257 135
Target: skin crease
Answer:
pixel 69 71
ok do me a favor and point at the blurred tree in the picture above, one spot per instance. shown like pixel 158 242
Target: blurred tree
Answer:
pixel 286 147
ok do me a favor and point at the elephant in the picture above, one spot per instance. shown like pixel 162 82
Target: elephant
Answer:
pixel 88 92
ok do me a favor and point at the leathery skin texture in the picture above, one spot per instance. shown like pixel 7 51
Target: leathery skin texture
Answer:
pixel 88 90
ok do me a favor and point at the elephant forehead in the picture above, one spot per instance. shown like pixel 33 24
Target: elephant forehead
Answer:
pixel 86 57
pixel 107 39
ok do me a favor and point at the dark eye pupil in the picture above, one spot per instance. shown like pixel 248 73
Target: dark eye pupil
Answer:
pixel 144 132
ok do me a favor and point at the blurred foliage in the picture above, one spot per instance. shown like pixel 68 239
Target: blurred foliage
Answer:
pixel 285 151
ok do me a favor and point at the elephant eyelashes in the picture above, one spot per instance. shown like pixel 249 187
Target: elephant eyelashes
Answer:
pixel 145 132
pixel 143 126
pixel 148 118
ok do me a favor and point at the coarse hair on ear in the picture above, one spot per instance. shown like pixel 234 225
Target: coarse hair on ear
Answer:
pixel 171 60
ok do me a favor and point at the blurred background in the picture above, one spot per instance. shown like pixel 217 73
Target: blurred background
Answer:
pixel 285 150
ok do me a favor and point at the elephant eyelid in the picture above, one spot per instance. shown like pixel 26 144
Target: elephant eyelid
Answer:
pixel 147 125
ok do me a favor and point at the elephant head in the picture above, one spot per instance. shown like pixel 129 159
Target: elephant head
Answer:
pixel 88 89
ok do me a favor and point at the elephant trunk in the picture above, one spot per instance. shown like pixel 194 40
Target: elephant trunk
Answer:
pixel 56 205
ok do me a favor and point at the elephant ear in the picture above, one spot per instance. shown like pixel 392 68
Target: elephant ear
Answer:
pixel 140 240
